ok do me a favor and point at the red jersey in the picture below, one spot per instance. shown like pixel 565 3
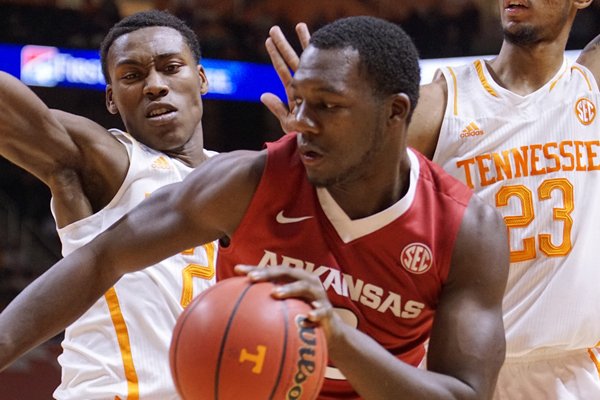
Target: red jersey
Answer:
pixel 383 273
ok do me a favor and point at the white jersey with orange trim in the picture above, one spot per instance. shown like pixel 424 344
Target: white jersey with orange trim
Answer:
pixel 119 348
pixel 537 159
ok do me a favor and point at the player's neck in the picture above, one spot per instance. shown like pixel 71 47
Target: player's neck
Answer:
pixel 375 192
pixel 191 153
pixel 523 70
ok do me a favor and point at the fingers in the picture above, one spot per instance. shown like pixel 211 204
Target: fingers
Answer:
pixel 283 71
pixel 279 110
pixel 279 63
pixel 321 311
pixel 285 61
pixel 243 269
pixel 277 274
pixel 275 105
pixel 295 282
pixel 303 34
pixel 283 47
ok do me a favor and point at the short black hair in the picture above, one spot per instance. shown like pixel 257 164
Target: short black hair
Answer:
pixel 147 19
pixel 387 54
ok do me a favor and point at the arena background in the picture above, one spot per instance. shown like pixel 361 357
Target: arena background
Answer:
pixel 230 30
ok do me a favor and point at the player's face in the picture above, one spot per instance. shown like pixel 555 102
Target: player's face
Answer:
pixel 339 119
pixel 527 22
pixel 155 86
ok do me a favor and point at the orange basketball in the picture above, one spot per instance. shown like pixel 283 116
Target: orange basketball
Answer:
pixel 234 341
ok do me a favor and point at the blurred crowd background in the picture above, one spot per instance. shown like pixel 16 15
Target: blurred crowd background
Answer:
pixel 236 29
pixel 228 29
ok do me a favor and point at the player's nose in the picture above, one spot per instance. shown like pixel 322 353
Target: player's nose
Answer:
pixel 305 121
pixel 155 85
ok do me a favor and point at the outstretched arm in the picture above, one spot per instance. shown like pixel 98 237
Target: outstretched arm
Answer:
pixel 467 342
pixel 81 163
pixel 38 139
pixel 208 205
pixel 30 136
pixel 285 61
pixel 590 57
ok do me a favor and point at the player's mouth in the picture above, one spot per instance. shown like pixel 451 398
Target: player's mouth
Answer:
pixel 309 154
pixel 310 157
pixel 514 5
pixel 160 113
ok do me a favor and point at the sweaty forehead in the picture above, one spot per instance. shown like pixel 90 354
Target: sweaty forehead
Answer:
pixel 148 42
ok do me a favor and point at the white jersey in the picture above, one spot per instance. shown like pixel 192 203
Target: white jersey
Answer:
pixel 119 348
pixel 537 159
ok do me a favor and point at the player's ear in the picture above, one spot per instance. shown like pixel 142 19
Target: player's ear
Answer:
pixel 581 4
pixel 399 107
pixel 110 104
pixel 204 83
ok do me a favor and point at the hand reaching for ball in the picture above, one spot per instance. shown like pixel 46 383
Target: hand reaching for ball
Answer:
pixel 297 283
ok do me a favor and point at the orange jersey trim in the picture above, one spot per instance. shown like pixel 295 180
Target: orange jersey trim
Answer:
pixel 576 68
pixel 594 358
pixel 455 90
pixel 133 390
pixel 484 82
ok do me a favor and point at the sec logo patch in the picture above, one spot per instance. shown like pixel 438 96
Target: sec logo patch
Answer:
pixel 416 258
pixel 585 111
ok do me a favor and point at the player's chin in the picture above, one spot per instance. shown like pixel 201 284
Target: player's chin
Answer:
pixel 320 184
pixel 318 179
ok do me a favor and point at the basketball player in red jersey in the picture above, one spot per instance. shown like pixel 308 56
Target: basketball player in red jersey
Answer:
pixel 392 252
pixel 522 129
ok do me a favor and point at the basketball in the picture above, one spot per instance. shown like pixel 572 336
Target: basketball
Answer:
pixel 234 341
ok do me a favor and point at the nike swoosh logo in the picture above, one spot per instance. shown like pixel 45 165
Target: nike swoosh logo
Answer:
pixel 289 220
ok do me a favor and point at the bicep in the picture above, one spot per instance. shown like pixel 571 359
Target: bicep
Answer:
pixel 426 122
pixel 36 138
pixel 467 339
pixel 30 134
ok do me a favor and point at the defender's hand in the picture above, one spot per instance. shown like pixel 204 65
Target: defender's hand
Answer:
pixel 285 61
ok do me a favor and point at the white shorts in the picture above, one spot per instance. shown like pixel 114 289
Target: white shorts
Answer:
pixel 572 375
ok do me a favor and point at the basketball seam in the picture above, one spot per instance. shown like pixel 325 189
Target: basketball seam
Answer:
pixel 187 313
pixel 284 351
pixel 225 335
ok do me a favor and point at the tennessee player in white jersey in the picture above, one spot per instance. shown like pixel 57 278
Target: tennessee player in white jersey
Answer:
pixel 150 61
pixel 120 346
pixel 537 158
pixel 522 130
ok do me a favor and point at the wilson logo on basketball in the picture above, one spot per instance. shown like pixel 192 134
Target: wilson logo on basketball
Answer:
pixel 306 365
pixel 416 258
pixel 585 111
pixel 471 130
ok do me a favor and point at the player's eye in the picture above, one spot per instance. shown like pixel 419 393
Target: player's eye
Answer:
pixel 130 76
pixel 172 68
